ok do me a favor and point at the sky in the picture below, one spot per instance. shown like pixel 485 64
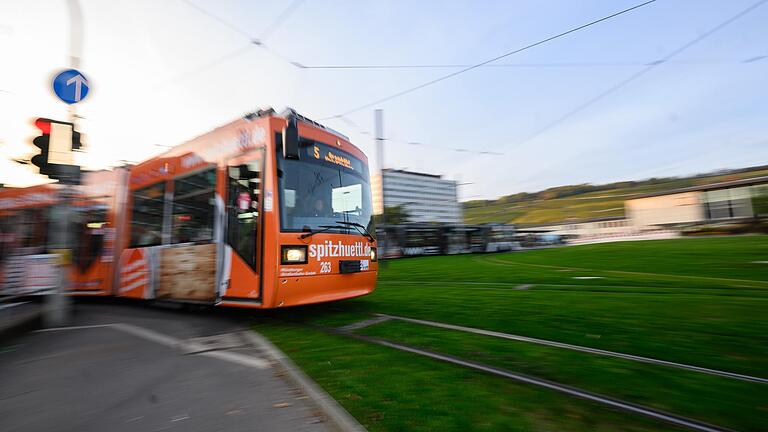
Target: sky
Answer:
pixel 162 72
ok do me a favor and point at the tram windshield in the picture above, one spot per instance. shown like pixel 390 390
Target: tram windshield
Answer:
pixel 322 188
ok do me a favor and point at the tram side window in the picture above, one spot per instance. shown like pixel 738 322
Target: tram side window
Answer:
pixel 33 230
pixel 147 216
pixel 243 209
pixel 7 234
pixel 193 207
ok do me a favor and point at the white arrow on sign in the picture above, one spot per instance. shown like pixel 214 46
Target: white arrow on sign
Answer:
pixel 79 83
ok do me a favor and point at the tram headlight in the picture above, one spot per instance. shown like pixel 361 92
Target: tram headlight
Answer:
pixel 374 254
pixel 294 255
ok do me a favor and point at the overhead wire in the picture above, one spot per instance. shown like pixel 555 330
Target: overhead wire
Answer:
pixel 526 65
pixel 209 65
pixel 259 42
pixel 252 41
pixel 287 12
pixel 456 149
pixel 364 131
pixel 623 83
pixel 628 80
pixel 478 65
pixel 217 19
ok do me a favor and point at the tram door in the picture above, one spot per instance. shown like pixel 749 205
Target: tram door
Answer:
pixel 93 250
pixel 242 247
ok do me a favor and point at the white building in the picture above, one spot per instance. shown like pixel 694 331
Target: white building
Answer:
pixel 600 231
pixel 425 197
pixel 716 202
pixel 663 214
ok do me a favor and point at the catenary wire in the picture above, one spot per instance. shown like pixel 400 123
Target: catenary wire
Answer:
pixel 499 57
pixel 641 72
pixel 585 64
pixel 252 42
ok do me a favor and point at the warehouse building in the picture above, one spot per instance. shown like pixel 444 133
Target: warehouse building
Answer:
pixel 717 202
pixel 424 197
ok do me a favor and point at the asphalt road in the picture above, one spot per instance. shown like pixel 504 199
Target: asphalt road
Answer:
pixel 129 367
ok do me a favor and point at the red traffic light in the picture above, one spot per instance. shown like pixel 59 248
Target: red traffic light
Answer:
pixel 44 125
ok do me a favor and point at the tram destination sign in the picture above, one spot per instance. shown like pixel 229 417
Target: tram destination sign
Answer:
pixel 332 156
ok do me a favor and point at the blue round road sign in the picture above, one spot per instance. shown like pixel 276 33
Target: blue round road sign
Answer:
pixel 71 86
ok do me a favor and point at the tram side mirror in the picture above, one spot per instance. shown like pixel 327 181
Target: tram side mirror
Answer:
pixel 291 140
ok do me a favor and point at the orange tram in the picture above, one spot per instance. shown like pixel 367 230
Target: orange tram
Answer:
pixel 268 211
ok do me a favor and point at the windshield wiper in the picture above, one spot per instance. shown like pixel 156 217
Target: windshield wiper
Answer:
pixel 358 226
pixel 324 228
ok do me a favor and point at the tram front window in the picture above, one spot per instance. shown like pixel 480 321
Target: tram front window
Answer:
pixel 322 188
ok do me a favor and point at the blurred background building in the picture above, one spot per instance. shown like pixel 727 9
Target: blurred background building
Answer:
pixel 423 197
pixel 731 207
pixel 734 200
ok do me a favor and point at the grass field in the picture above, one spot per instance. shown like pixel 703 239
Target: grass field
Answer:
pixel 694 301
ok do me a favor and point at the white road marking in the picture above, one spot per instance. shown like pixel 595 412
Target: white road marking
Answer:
pixel 85 327
pixel 172 342
pixel 241 359
pixel 588 277
pixel 149 335
pixel 10 305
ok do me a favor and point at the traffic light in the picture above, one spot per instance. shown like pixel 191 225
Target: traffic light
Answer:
pixel 56 141
pixel 42 142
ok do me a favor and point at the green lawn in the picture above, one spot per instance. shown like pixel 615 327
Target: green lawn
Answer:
pixel 387 390
pixel 655 386
pixel 698 259
pixel 696 301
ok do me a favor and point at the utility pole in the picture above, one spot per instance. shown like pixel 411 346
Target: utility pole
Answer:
pixel 378 121
pixel 57 306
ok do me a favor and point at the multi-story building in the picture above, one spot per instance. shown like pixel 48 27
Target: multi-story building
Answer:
pixel 424 197
pixel 716 202
pixel 666 214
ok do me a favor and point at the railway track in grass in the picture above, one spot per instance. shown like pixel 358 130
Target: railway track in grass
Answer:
pixel 349 331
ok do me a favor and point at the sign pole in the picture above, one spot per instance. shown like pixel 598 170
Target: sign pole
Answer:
pixel 58 305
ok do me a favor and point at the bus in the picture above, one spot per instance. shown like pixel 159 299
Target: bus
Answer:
pixel 270 210
pixel 420 239
pixel 492 237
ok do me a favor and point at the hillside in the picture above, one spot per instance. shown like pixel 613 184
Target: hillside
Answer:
pixel 586 201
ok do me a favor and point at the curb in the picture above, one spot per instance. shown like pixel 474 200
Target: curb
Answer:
pixel 335 413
